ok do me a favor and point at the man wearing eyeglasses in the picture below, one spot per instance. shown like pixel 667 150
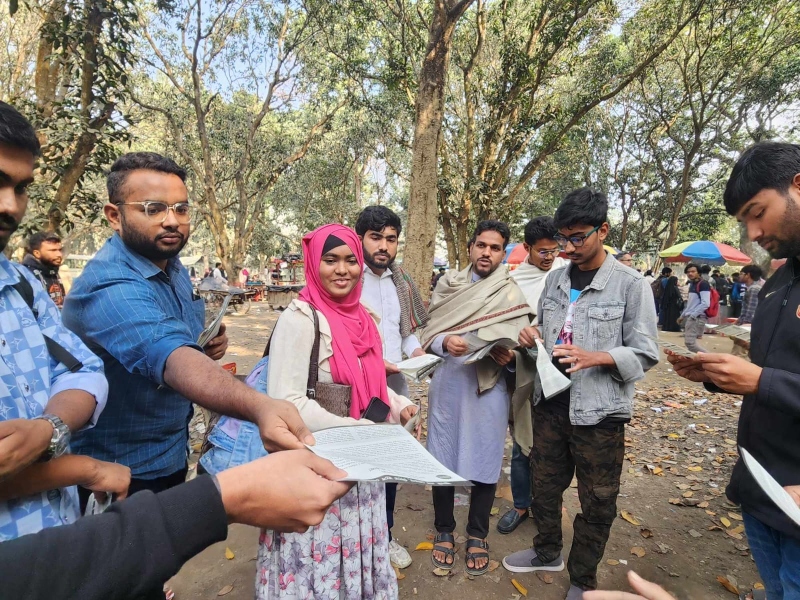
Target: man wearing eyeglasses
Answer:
pixel 542 258
pixel 134 306
pixel 591 317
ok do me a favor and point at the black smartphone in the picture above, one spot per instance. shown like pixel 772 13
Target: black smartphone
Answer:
pixel 377 411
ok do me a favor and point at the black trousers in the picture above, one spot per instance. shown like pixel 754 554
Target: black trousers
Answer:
pixel 480 508
pixel 391 497
pixel 159 484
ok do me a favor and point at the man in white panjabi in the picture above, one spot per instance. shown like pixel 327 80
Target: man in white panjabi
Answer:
pixel 392 295
pixel 542 259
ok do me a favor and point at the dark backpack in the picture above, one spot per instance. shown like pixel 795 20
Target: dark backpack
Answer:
pixel 56 350
pixel 658 290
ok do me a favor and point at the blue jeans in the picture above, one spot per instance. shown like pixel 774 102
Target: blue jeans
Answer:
pixel 520 478
pixel 777 557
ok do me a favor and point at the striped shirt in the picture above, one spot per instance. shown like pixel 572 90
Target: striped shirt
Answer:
pixel 134 315
pixel 29 377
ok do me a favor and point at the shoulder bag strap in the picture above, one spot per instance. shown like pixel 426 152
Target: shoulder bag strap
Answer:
pixel 313 366
pixel 56 350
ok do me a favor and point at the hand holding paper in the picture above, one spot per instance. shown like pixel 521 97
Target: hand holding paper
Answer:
pixel 553 381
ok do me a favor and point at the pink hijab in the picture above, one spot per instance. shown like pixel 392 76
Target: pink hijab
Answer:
pixel 355 335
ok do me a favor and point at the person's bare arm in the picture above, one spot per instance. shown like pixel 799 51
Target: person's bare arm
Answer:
pixel 201 380
pixel 65 471
pixel 23 441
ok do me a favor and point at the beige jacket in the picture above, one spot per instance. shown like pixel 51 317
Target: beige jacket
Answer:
pixel 289 356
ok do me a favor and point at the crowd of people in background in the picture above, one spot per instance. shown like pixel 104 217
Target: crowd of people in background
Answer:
pixel 98 391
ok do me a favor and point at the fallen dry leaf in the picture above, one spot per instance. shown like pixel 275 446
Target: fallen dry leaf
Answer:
pixel 675 501
pixel 629 518
pixel 441 572
pixel 703 505
pixel 226 590
pixel 646 533
pixel 687 494
pixel 728 585
pixel 493 565
pixel 520 588
pixel 694 469
pixel 735 516
pixel 638 551
pixel 737 529
pixel 505 493
pixel 545 577
pixel 725 521
pixel 424 546
pixel 612 562
pixel 495 510
pixel 758 586
pixel 229 554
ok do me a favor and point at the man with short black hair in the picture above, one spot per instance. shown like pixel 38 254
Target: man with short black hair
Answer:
pixel 763 193
pixel 595 316
pixel 694 317
pixel 135 307
pixel 469 403
pixel 542 258
pixel 51 385
pixel 44 257
pixel 391 293
pixel 753 277
pixel 219 274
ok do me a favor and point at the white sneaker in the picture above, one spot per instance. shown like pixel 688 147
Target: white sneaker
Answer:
pixel 398 555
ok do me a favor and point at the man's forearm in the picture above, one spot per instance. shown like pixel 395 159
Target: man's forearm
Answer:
pixel 127 551
pixel 74 407
pixel 204 382
pixel 39 477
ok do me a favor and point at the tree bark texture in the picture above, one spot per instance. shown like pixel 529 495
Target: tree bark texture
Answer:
pixel 423 213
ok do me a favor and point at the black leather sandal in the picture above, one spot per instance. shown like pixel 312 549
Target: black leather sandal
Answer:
pixel 482 552
pixel 447 538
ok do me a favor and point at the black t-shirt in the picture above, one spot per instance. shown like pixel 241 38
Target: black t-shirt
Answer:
pixel 579 281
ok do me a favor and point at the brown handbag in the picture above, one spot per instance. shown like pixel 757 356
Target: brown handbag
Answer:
pixel 333 397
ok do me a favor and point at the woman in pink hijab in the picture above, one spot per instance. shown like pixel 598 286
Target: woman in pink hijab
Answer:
pixel 346 557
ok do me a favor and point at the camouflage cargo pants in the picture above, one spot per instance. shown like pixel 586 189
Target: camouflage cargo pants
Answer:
pixel 595 455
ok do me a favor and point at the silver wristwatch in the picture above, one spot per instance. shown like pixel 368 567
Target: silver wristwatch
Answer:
pixel 59 442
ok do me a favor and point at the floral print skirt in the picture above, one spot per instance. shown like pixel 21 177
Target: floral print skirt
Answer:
pixel 346 557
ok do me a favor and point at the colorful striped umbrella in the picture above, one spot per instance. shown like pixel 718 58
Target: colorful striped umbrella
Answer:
pixel 706 252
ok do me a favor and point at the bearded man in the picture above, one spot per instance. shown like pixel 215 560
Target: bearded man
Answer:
pixel 133 305
pixel 469 401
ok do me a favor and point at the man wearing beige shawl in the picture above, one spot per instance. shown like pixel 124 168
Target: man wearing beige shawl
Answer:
pixel 530 276
pixel 469 403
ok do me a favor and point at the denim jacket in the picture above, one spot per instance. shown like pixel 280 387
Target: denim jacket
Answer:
pixel 606 317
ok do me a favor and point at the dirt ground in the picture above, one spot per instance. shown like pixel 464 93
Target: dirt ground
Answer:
pixel 680 530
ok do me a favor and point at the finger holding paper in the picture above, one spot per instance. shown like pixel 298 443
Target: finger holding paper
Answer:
pixel 215 349
pixel 502 356
pixel 687 367
pixel 733 374
pixel 528 337
pixel 553 381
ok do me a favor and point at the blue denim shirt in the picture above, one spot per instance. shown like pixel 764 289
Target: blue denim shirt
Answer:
pixel 29 377
pixel 609 316
pixel 133 316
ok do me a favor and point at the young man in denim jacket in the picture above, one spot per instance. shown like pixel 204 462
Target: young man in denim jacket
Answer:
pixel 591 317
